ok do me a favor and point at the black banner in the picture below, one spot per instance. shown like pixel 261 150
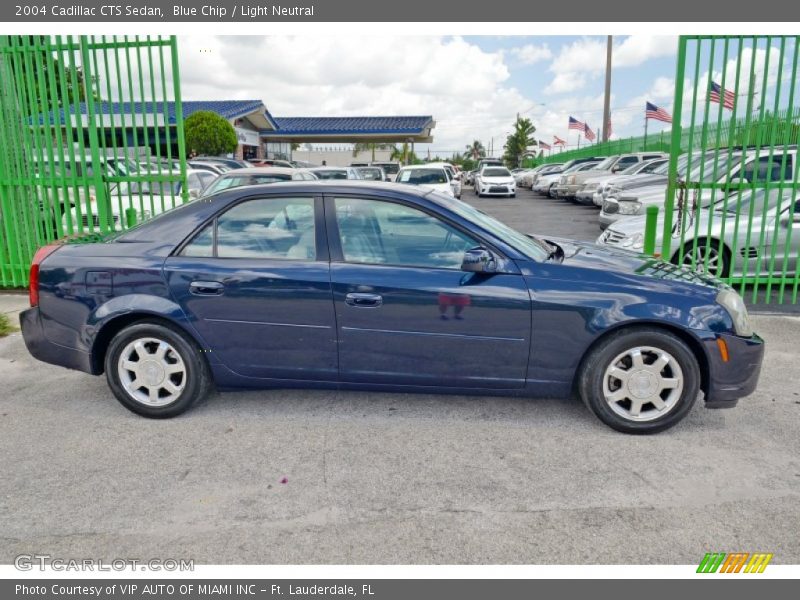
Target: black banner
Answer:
pixel 497 11
pixel 391 589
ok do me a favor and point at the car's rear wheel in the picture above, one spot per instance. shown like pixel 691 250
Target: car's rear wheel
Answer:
pixel 641 380
pixel 156 371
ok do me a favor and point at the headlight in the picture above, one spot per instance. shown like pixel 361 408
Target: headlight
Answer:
pixel 635 242
pixel 629 207
pixel 600 189
pixel 571 179
pixel 733 303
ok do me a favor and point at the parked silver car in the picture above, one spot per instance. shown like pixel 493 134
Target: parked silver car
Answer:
pixel 594 188
pixel 719 238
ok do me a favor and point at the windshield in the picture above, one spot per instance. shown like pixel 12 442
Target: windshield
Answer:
pixel 496 172
pixel 422 176
pixel 531 247
pixel 733 204
pixel 633 169
pixel 331 174
pixel 159 188
pixel 227 182
pixel 606 164
pixel 573 167
pixel 390 168
pixel 371 174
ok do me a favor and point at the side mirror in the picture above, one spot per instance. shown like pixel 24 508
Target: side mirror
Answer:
pixel 194 194
pixel 478 260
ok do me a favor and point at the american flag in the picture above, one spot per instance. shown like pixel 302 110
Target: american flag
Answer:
pixel 651 111
pixel 575 124
pixel 544 146
pixel 728 97
pixel 589 133
pixel 557 141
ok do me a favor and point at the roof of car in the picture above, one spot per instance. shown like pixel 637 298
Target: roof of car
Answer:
pixel 262 171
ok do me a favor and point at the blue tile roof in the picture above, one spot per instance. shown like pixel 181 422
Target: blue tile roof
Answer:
pixel 351 125
pixel 232 109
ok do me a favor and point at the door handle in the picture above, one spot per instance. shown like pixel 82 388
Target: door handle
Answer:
pixel 206 288
pixel 360 300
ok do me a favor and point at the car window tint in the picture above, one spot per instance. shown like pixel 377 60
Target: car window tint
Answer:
pixel 378 232
pixel 202 245
pixel 268 228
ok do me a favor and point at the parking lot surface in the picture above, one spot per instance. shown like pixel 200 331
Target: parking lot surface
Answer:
pixel 329 477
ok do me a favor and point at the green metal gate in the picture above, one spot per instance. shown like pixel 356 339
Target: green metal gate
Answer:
pixel 91 139
pixel 731 207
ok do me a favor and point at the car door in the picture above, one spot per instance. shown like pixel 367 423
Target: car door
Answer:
pixel 783 234
pixel 255 283
pixel 407 314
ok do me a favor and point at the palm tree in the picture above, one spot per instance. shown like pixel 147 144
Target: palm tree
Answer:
pixel 475 150
pixel 369 146
pixel 400 154
pixel 519 141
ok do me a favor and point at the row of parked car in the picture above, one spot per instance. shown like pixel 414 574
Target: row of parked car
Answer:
pixel 76 210
pixel 767 219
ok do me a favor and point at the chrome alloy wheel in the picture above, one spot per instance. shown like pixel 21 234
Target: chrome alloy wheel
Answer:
pixel 151 371
pixel 701 255
pixel 643 383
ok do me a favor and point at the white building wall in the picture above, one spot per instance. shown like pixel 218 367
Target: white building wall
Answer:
pixel 337 156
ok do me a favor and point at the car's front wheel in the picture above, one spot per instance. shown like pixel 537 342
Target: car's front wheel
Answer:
pixel 156 371
pixel 704 254
pixel 641 380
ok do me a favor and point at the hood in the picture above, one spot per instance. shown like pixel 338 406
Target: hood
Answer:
pixel 587 255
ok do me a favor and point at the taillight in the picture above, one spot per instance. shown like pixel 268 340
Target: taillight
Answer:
pixel 33 285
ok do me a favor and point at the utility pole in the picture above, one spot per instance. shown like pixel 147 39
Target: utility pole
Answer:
pixel 607 100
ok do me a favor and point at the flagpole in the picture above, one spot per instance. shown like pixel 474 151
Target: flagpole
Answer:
pixel 644 148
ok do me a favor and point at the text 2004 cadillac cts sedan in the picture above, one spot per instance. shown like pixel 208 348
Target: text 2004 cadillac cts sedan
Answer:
pixel 358 285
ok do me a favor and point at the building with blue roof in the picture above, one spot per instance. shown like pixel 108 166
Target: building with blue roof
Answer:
pixel 259 133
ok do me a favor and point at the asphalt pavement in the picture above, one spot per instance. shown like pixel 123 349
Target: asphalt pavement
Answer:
pixel 331 477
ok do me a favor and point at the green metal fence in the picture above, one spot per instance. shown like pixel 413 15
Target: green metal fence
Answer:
pixel 732 210
pixel 91 139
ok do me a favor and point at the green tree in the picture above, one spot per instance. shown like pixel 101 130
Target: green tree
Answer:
pixel 38 70
pixel 370 147
pixel 475 150
pixel 518 142
pixel 404 154
pixel 207 133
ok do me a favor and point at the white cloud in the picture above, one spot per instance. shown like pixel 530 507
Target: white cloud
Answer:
pixel 349 75
pixel 531 53
pixel 565 82
pixel 638 49
pixel 585 58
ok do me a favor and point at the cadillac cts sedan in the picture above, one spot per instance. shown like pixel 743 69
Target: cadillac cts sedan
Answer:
pixel 380 286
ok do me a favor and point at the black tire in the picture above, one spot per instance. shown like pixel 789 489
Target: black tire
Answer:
pixel 197 383
pixel 593 372
pixel 713 247
pixel 513 195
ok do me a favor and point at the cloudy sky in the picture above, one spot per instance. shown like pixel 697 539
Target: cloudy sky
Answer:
pixel 473 86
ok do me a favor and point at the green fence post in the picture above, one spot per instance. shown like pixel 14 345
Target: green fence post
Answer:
pixel 675 149
pixel 650 226
pixel 131 216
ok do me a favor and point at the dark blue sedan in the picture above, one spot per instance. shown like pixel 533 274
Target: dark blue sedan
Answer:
pixel 358 285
